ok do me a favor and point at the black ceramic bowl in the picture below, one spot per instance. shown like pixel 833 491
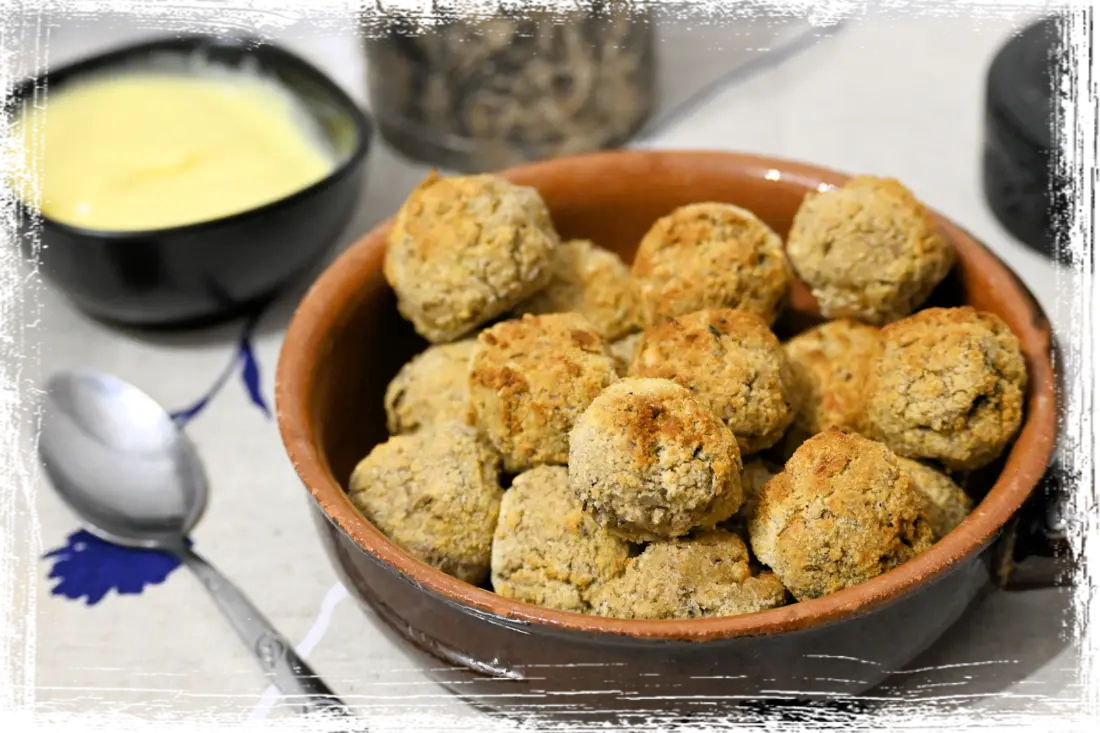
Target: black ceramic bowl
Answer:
pixel 216 269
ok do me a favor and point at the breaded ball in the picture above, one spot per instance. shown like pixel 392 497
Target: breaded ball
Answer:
pixel 623 351
pixel 948 504
pixel 949 387
pixel 705 575
pixel 843 511
pixel 530 378
pixel 868 250
pixel 830 364
pixel 546 550
pixel 436 493
pixel 710 255
pixel 650 462
pixel 732 363
pixel 464 250
pixel 591 281
pixel 432 387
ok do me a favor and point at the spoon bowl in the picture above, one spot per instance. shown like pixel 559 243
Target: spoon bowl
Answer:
pixel 120 462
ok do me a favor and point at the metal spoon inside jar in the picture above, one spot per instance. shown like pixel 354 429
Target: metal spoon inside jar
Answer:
pixel 124 466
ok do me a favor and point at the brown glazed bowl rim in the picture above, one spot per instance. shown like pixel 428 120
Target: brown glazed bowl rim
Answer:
pixel 321 308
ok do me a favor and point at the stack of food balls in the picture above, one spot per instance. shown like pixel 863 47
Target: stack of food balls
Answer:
pixel 665 455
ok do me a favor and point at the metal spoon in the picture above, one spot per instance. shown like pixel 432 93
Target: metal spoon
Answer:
pixel 124 466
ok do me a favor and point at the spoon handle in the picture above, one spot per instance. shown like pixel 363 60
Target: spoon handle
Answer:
pixel 277 657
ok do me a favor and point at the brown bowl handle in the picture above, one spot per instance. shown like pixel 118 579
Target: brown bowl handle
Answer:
pixel 1035 551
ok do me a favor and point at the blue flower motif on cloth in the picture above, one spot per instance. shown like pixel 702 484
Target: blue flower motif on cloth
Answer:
pixel 244 359
pixel 90 568
pixel 250 374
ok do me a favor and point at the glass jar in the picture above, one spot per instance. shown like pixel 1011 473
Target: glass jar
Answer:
pixel 479 94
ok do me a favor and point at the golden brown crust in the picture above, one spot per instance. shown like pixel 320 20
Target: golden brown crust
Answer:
pixel 948 504
pixel 843 511
pixel 649 462
pixel 868 250
pixel 435 493
pixel 432 387
pixel 466 249
pixel 830 366
pixel 530 378
pixel 710 255
pixel 949 387
pixel 731 362
pixel 592 281
pixel 705 575
pixel 546 550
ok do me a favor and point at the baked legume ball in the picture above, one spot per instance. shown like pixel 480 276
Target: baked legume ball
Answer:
pixel 704 575
pixel 732 363
pixel 710 255
pixel 530 378
pixel 949 387
pixel 648 461
pixel 436 493
pixel 592 281
pixel 465 250
pixel 868 250
pixel 842 512
pixel 948 504
pixel 546 549
pixel 432 387
pixel 830 364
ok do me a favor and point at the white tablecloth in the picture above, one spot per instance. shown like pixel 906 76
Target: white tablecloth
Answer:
pixel 900 96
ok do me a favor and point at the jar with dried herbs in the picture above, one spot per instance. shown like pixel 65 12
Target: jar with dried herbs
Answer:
pixel 473 94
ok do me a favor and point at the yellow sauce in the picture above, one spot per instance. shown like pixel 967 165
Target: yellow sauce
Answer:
pixel 150 150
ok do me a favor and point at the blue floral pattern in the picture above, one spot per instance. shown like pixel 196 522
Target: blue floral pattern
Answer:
pixel 244 359
pixel 88 567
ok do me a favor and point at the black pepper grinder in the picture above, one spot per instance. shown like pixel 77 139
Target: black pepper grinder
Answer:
pixel 1019 118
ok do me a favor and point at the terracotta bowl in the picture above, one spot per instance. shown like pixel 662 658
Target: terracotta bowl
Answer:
pixel 346 341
